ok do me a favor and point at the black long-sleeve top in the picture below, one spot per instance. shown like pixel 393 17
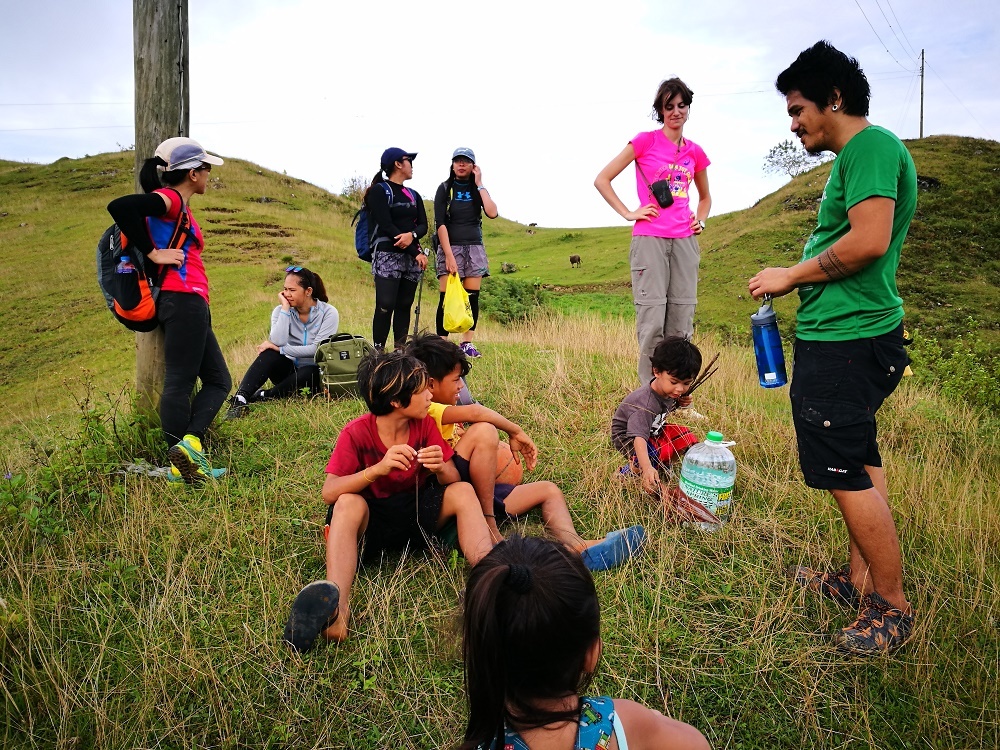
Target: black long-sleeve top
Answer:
pixel 405 213
pixel 130 212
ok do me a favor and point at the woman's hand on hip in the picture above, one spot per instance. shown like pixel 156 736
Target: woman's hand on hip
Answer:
pixel 649 211
pixel 170 256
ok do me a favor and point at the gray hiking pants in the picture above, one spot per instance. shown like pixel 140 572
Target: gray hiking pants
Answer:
pixel 664 290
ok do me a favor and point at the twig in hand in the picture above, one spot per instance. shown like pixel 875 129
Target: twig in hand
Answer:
pixel 706 373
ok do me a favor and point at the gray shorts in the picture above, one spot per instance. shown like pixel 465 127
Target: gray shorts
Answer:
pixel 471 261
pixel 387 264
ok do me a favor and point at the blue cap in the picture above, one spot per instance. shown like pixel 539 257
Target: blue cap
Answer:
pixel 391 155
pixel 464 152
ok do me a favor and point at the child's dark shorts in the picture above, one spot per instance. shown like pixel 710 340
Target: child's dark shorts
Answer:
pixel 837 386
pixel 500 491
pixel 406 518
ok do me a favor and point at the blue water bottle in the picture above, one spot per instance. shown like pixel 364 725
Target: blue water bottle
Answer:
pixel 125 266
pixel 767 346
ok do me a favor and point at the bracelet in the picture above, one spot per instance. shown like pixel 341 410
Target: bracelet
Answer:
pixel 481 188
pixel 364 473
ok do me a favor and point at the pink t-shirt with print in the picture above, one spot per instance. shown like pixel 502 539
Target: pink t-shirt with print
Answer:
pixel 662 160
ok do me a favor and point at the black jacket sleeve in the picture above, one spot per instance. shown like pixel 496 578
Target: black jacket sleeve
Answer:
pixel 441 205
pixel 421 227
pixel 130 212
pixel 378 206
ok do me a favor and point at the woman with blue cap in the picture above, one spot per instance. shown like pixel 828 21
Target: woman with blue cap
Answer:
pixel 398 221
pixel 459 205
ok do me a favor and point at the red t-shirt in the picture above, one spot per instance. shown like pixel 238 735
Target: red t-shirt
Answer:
pixel 190 276
pixel 359 447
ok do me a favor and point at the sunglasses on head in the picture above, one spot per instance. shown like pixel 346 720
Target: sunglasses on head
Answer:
pixel 293 269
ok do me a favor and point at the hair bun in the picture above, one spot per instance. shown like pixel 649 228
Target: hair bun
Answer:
pixel 519 578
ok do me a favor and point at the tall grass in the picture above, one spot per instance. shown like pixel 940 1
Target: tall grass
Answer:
pixel 134 614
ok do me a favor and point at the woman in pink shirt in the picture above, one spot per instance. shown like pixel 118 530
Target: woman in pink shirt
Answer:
pixel 664 253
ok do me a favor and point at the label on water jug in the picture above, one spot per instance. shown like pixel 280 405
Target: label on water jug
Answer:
pixel 715 499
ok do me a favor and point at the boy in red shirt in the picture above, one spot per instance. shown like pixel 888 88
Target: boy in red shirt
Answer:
pixel 390 482
pixel 476 460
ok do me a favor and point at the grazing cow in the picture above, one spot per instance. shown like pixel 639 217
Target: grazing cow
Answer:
pixel 574 261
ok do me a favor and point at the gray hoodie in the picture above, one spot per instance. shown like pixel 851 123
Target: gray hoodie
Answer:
pixel 298 340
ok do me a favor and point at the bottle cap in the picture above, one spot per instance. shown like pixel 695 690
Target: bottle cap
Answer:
pixel 714 437
pixel 764 316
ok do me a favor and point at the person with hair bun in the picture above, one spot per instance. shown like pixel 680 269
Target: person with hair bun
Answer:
pixel 531 644
pixel 398 220
pixel 178 171
pixel 303 319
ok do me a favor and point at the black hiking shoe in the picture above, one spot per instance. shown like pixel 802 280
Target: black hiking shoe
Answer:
pixel 237 409
pixel 315 608
pixel 880 628
pixel 837 585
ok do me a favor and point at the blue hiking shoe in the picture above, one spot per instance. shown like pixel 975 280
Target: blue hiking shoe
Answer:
pixel 614 549
pixel 188 459
pixel 174 474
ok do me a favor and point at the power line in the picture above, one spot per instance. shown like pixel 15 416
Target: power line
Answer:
pixel 894 32
pixel 878 37
pixel 59 104
pixel 113 127
pixel 900 27
pixel 988 135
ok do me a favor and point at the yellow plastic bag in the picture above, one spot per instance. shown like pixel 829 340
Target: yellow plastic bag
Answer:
pixel 457 310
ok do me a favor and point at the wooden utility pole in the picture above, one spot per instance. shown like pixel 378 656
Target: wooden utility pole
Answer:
pixel 160 43
pixel 921 93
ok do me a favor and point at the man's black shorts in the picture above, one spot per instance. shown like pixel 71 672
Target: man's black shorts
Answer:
pixel 407 518
pixel 837 386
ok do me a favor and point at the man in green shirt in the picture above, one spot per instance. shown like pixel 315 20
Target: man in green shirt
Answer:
pixel 849 353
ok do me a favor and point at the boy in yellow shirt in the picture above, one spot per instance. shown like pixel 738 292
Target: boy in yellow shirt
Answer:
pixel 476 460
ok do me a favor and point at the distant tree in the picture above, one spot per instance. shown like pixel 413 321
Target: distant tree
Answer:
pixel 788 157
pixel 354 189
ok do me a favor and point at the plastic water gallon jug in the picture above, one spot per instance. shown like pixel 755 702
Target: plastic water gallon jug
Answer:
pixel 708 474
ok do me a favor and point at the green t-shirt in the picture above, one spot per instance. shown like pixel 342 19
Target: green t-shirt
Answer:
pixel 874 163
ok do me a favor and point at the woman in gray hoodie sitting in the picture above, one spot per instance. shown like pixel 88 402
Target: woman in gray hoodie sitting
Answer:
pixel 287 358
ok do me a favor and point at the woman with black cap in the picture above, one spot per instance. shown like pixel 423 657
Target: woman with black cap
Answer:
pixel 459 205
pixel 398 221
pixel 178 171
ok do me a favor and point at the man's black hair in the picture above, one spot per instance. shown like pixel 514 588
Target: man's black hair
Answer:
pixel 677 356
pixel 819 70
pixel 384 377
pixel 438 355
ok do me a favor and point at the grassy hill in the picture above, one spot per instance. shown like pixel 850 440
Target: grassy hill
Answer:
pixel 137 615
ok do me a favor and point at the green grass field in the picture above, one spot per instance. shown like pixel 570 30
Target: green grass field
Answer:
pixel 133 614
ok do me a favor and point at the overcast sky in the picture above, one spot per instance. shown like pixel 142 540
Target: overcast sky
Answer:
pixel 546 93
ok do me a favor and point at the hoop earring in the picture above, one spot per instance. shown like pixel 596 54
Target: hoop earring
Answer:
pixel 835 107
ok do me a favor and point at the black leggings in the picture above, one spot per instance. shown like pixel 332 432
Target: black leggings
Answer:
pixel 286 379
pixel 473 303
pixel 393 300
pixel 191 353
